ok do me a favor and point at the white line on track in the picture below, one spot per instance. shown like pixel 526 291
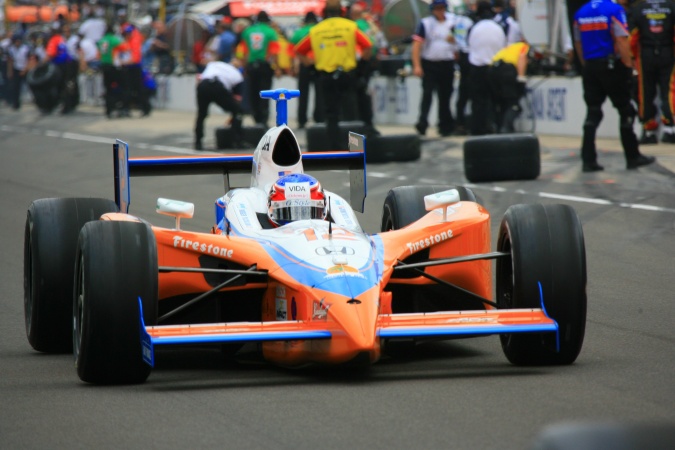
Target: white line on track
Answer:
pixel 165 148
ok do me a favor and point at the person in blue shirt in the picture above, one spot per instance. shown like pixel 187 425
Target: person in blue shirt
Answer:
pixel 602 44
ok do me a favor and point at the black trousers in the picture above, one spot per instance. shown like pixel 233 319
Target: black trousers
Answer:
pixel 308 76
pixel 335 86
pixel 505 95
pixel 482 116
pixel 212 91
pixel 463 90
pixel 438 76
pixel 133 90
pixel 69 89
pixel 601 80
pixel 15 87
pixel 112 83
pixel 259 78
pixel 655 69
pixel 364 104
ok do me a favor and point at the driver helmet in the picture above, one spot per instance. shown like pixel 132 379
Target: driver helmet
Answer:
pixel 297 196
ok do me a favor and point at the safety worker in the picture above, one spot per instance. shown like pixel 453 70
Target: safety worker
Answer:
pixel 652 27
pixel 508 83
pixel 307 75
pixel 258 49
pixel 601 42
pixel 220 83
pixel 485 39
pixel 433 60
pixel 334 41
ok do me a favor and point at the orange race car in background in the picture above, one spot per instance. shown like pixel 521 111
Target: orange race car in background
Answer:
pixel 287 264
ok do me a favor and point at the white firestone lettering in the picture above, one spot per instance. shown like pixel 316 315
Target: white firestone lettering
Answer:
pixel 179 242
pixel 428 241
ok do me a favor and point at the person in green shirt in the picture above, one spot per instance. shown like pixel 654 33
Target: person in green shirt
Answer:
pixel 112 75
pixel 258 51
pixel 307 75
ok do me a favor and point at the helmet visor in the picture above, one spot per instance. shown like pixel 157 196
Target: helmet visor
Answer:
pixel 285 211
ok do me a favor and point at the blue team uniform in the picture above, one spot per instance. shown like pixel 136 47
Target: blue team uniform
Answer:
pixel 594 25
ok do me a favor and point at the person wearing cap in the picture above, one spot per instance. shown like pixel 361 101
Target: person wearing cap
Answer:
pixel 258 50
pixel 433 60
pixel 17 69
pixel 227 42
pixel 334 42
pixel 485 39
pixel 602 44
pixel 307 75
pixel 220 83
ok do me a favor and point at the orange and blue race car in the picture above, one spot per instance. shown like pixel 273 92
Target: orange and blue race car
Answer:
pixel 287 265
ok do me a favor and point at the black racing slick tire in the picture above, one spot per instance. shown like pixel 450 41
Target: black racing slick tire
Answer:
pixel 405 204
pixel 502 157
pixel 393 148
pixel 50 242
pixel 546 244
pixel 43 75
pixel 317 135
pixel 116 264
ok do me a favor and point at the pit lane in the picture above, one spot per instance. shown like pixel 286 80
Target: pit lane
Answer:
pixel 460 394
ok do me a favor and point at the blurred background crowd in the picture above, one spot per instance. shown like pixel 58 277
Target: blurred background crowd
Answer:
pixel 45 45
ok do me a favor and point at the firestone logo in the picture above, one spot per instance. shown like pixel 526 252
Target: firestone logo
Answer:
pixel 428 241
pixel 210 249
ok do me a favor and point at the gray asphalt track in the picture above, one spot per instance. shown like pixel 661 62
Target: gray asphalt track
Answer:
pixel 461 394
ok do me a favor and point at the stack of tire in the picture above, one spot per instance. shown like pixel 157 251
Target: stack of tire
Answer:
pixel 502 157
pixel 44 83
pixel 392 148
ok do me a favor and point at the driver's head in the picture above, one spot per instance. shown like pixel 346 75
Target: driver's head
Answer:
pixel 294 197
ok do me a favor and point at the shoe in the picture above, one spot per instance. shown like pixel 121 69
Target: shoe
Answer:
pixel 445 133
pixel 592 167
pixel 301 126
pixel 198 146
pixel 640 161
pixel 460 130
pixel 422 130
pixel 668 138
pixel 649 138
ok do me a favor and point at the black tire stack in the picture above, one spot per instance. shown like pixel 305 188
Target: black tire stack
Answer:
pixel 502 157
pixel 225 139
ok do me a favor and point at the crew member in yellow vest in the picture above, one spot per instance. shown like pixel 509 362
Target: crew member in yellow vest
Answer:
pixel 334 41
pixel 508 83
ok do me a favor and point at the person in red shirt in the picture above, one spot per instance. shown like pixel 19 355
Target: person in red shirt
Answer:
pixel 130 55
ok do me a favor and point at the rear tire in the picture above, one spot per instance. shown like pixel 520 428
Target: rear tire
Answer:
pixel 502 157
pixel 405 204
pixel 116 264
pixel 546 243
pixel 50 242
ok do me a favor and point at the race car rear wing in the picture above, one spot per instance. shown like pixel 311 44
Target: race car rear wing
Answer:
pixel 353 160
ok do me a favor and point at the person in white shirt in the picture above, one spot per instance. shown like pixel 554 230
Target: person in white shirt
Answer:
pixel 485 39
pixel 220 83
pixel 17 69
pixel 93 28
pixel 433 59
pixel 464 23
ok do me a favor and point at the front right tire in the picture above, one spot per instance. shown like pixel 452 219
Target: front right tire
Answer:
pixel 116 264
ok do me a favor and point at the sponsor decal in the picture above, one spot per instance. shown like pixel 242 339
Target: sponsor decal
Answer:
pixel 282 311
pixel 266 145
pixel 353 140
pixel 320 309
pixel 428 241
pixel 210 249
pixel 243 215
pixel 325 251
pixel 472 320
pixel 297 190
pixel 281 291
pixel 343 271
